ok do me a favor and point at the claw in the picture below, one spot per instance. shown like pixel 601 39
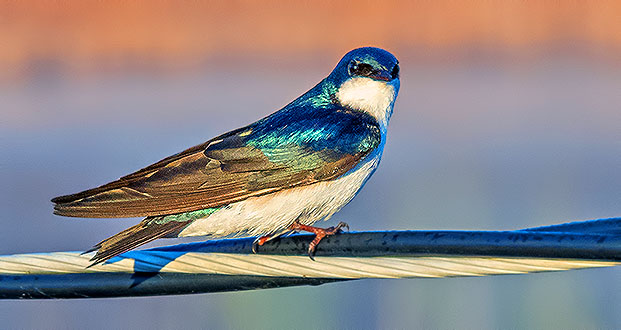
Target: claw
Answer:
pixel 320 233
pixel 311 253
pixel 340 226
pixel 255 245
pixel 259 242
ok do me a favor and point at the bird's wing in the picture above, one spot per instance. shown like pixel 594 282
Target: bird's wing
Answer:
pixel 285 150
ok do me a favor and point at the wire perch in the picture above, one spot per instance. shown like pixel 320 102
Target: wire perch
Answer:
pixel 229 265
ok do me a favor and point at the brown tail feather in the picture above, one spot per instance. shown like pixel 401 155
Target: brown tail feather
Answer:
pixel 133 237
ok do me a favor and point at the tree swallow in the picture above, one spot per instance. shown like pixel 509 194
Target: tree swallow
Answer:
pixel 280 174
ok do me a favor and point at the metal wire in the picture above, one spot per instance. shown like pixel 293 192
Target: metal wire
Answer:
pixel 229 265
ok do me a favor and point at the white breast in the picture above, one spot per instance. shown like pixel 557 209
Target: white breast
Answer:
pixel 371 96
pixel 273 213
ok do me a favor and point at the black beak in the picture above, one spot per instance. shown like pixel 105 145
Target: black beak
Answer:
pixel 381 75
pixel 386 75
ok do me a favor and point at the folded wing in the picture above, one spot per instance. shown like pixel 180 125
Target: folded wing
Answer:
pixel 287 149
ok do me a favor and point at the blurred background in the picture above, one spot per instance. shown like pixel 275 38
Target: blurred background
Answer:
pixel 509 116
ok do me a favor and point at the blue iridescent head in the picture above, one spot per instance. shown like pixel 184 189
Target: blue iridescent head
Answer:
pixel 367 80
pixel 371 62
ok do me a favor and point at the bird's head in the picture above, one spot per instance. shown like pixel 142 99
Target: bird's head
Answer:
pixel 367 79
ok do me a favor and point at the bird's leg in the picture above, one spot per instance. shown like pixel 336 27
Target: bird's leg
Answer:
pixel 320 233
pixel 259 242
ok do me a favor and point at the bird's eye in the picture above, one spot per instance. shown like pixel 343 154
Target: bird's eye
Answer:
pixel 359 69
pixel 395 71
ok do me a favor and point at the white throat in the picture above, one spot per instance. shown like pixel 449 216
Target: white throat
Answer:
pixel 371 96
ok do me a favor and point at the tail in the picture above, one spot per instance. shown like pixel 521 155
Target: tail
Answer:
pixel 149 229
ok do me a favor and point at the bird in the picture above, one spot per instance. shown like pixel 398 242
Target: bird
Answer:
pixel 278 175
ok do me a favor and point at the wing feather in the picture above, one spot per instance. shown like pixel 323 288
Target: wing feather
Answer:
pixel 241 164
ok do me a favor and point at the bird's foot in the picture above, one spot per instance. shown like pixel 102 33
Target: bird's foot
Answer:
pixel 259 242
pixel 320 233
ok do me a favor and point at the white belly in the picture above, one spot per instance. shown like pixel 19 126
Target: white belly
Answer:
pixel 273 213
